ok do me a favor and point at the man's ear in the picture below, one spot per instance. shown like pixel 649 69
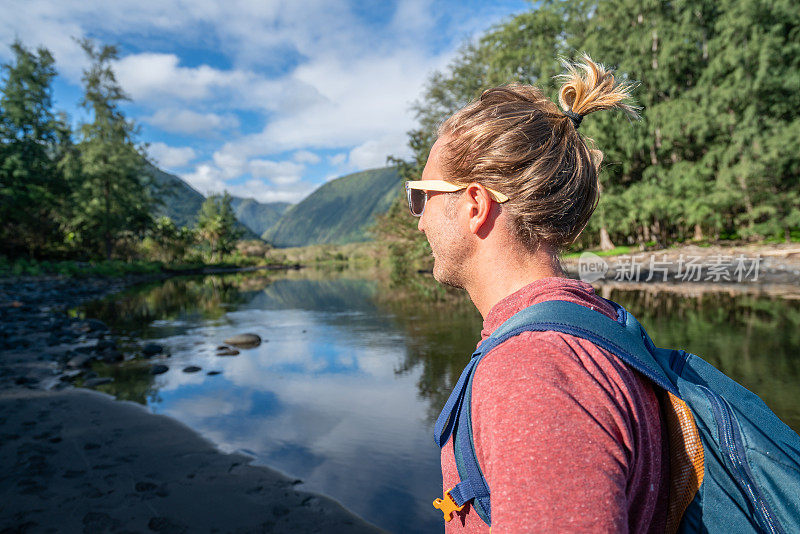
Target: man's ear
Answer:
pixel 479 202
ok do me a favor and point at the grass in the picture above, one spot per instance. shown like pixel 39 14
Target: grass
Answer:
pixel 106 268
pixel 353 254
pixel 115 268
pixel 616 251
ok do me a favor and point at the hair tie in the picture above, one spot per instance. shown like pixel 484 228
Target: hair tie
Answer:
pixel 576 118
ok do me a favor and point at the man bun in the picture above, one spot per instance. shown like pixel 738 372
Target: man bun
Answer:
pixel 515 140
pixel 588 86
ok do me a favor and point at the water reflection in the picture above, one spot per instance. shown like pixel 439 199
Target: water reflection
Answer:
pixel 354 369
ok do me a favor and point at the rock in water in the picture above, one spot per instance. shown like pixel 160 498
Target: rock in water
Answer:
pixel 158 369
pixel 228 352
pixel 151 349
pixel 244 341
pixel 191 369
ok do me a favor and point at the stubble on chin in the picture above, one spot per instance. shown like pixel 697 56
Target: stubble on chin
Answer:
pixel 446 278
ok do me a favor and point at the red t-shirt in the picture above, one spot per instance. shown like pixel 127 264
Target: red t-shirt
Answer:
pixel 568 437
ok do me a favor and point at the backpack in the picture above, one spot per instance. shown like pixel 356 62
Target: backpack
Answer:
pixel 734 465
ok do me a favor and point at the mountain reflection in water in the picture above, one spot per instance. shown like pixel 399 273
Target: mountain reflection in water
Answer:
pixel 354 368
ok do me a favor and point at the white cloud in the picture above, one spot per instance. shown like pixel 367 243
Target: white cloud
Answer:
pixel 373 153
pixel 206 178
pixel 338 159
pixel 171 157
pixel 151 76
pixel 367 99
pixel 277 172
pixel 185 121
pixel 306 156
pixel 156 79
pixel 282 186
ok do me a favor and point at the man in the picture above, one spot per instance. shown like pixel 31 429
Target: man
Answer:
pixel 567 436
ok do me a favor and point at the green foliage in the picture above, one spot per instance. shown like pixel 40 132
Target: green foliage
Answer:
pixel 69 268
pixel 168 243
pixel 216 225
pixel 717 152
pixel 98 196
pixel 113 199
pixel 341 211
pixel 32 185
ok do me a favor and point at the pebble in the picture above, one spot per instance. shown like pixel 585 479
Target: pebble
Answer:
pixel 191 369
pixel 228 352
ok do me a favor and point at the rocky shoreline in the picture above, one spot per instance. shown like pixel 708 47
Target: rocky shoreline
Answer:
pixel 75 460
pixel 773 269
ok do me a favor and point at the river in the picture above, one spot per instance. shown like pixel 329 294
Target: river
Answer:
pixel 354 368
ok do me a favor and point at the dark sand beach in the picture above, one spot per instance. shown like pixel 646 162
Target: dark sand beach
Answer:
pixel 80 461
pixel 76 460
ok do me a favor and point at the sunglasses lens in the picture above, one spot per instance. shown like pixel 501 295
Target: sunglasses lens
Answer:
pixel 416 201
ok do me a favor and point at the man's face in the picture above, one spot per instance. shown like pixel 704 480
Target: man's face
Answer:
pixel 442 225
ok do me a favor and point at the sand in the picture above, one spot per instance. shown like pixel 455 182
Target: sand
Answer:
pixel 79 461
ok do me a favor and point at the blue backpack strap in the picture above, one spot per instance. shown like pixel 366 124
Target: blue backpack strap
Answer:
pixel 623 337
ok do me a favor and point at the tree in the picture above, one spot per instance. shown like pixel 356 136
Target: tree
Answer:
pixel 31 184
pixel 525 50
pixel 113 198
pixel 716 151
pixel 216 225
pixel 166 242
pixel 753 113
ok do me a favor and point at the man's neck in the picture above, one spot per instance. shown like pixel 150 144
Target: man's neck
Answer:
pixel 497 274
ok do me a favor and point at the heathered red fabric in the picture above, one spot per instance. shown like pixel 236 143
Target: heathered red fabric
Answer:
pixel 568 437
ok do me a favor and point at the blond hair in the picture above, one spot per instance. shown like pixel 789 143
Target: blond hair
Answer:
pixel 515 140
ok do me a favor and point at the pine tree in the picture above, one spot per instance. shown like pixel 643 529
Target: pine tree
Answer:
pixel 216 225
pixel 31 184
pixel 750 92
pixel 113 198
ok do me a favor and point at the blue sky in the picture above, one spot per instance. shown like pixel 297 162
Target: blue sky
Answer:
pixel 265 98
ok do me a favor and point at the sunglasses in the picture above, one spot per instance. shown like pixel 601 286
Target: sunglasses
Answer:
pixel 417 193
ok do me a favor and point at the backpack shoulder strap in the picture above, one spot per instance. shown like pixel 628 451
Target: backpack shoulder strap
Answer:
pixel 623 337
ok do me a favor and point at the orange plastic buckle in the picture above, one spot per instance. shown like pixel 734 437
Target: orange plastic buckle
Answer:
pixel 447 506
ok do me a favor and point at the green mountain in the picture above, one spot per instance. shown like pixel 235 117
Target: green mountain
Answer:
pixel 181 202
pixel 257 216
pixel 341 211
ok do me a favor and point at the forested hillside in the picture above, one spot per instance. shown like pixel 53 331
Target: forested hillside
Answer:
pixel 181 202
pixel 258 217
pixel 341 211
pixel 716 154
pixel 177 200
